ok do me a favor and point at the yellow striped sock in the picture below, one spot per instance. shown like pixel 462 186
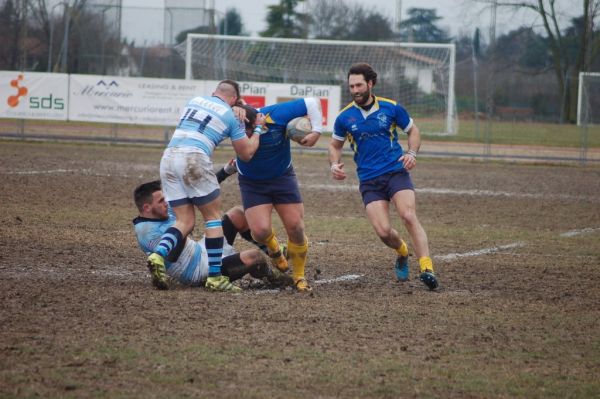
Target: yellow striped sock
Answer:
pixel 297 254
pixel 425 264
pixel 403 250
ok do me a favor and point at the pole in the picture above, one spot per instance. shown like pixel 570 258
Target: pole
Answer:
pixel 51 44
pixel 475 91
pixel 65 44
pixel 450 117
pixel 491 83
pixel 23 21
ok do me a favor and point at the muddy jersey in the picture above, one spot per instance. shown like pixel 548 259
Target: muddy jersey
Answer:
pixel 204 123
pixel 191 268
pixel 373 136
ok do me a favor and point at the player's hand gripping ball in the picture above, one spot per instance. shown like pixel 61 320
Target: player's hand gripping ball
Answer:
pixel 298 128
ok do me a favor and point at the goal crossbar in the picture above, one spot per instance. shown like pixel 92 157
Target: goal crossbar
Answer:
pixel 427 68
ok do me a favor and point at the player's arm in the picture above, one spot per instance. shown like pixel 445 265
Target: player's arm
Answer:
pixel 409 158
pixel 335 151
pixel 315 115
pixel 246 147
pixel 227 170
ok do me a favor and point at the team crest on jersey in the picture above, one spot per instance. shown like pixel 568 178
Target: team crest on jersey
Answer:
pixel 354 128
pixel 383 120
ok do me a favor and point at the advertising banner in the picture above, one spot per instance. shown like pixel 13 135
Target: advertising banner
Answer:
pixel 140 101
pixel 33 95
pixel 259 94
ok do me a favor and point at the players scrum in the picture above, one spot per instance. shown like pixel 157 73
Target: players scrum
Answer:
pixel 268 182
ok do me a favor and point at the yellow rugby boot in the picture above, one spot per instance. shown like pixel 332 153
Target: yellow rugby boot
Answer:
pixel 156 266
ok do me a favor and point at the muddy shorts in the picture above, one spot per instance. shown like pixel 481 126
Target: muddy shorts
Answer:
pixel 187 177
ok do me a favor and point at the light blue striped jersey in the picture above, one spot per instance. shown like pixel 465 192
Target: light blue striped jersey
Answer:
pixel 204 123
pixel 373 136
pixel 191 268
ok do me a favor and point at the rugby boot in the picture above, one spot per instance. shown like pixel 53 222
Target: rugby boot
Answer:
pixel 302 285
pixel 401 268
pixel 279 278
pixel 429 279
pixel 278 259
pixel 221 283
pixel 156 265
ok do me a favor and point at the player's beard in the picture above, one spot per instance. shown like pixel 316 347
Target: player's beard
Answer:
pixel 362 98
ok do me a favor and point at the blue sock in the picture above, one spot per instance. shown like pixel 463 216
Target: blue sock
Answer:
pixel 214 249
pixel 168 241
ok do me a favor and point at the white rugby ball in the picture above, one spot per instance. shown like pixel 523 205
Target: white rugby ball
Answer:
pixel 298 128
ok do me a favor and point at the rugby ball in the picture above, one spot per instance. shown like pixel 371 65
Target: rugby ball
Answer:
pixel 298 128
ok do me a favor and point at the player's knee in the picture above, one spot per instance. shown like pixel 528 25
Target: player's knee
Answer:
pixel 185 226
pixel 384 233
pixel 296 234
pixel 253 257
pixel 261 234
pixel 408 216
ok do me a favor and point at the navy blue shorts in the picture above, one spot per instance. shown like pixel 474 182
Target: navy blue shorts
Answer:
pixel 280 190
pixel 385 186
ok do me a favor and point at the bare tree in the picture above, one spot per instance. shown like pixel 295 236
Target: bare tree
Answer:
pixel 566 69
pixel 331 19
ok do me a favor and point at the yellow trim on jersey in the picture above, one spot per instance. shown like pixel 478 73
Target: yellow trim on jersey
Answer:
pixel 268 119
pixel 392 128
pixel 386 100
pixel 347 106
pixel 353 145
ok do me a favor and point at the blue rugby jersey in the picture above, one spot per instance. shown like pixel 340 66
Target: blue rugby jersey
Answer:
pixel 273 157
pixel 191 268
pixel 373 136
pixel 204 123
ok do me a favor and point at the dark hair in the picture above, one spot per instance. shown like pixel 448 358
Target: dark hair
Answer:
pixel 143 193
pixel 250 115
pixel 364 69
pixel 232 83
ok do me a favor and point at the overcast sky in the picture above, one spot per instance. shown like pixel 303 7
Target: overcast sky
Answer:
pixel 458 16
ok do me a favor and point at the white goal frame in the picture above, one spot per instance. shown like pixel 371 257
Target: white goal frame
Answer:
pixel 580 94
pixel 187 51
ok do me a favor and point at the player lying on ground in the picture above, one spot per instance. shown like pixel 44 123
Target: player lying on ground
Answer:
pixel 188 263
pixel 268 181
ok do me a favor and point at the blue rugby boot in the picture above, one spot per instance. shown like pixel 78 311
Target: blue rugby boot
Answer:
pixel 429 279
pixel 401 268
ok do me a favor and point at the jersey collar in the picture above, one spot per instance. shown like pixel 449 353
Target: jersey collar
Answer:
pixel 373 109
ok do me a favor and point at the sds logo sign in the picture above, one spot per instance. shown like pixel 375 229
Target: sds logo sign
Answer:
pixel 49 102
pixel 35 102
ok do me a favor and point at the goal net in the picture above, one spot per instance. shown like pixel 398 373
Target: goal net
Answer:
pixel 588 102
pixel 419 76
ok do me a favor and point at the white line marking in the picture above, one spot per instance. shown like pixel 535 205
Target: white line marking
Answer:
pixel 347 277
pixel 449 191
pixel 265 291
pixel 480 251
pixel 43 172
pixel 339 187
pixel 574 233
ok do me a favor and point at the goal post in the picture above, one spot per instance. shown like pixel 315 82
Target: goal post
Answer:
pixel 588 99
pixel 420 76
